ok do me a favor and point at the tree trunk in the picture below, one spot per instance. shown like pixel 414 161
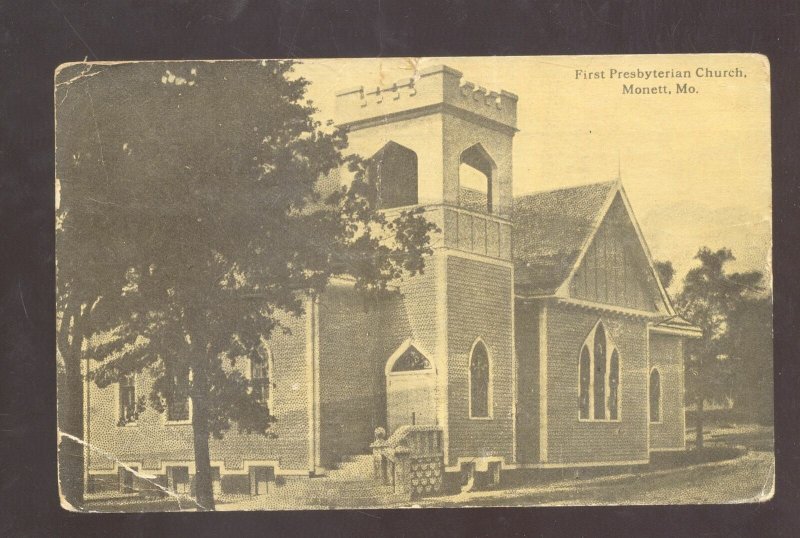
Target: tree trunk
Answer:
pixel 70 409
pixel 701 398
pixel 204 493
pixel 700 419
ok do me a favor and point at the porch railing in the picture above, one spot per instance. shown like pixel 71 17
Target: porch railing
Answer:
pixel 411 459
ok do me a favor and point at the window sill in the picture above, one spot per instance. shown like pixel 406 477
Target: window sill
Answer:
pixel 178 422
pixel 600 420
pixel 481 418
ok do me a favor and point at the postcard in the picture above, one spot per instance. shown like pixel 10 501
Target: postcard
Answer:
pixel 414 282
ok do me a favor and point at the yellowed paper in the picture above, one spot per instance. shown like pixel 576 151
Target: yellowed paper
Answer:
pixel 545 281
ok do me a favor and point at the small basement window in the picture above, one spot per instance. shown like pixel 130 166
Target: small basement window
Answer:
pixel 126 479
pixel 178 480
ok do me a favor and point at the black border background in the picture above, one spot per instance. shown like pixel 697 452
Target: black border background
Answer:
pixel 36 36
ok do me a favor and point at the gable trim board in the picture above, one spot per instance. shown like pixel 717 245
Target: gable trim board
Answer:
pixel 688 331
pixel 589 305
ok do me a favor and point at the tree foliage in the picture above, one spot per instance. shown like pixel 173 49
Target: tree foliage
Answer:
pixel 200 183
pixel 666 272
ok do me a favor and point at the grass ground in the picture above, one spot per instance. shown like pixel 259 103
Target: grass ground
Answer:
pixel 738 465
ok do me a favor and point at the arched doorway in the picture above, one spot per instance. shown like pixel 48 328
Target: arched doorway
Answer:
pixel 410 388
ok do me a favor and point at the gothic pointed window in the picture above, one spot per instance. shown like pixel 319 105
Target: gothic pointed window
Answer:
pixel 613 386
pixel 411 360
pixel 585 375
pixel 600 373
pixel 655 396
pixel 598 377
pixel 479 381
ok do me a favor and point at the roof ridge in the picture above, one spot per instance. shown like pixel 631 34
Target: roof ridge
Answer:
pixel 547 191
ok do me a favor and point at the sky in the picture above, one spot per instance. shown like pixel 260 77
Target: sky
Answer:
pixel 696 166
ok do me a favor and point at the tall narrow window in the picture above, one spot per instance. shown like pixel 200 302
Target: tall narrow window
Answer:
pixel 178 401
pixel 127 399
pixel 585 375
pixel 613 386
pixel 600 373
pixel 259 376
pixel 655 396
pixel 479 381
pixel 599 377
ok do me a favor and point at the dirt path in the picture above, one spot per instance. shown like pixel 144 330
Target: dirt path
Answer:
pixel 745 479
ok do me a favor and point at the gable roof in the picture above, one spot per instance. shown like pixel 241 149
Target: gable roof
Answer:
pixel 554 229
pixel 550 230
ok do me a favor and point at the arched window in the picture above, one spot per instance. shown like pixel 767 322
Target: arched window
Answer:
pixel 393 171
pixel 475 175
pixel 260 373
pixel 411 360
pixel 479 388
pixel 600 373
pixel 613 386
pixel 179 404
pixel 655 396
pixel 598 377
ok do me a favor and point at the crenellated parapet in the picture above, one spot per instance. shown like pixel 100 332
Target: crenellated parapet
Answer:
pixel 433 88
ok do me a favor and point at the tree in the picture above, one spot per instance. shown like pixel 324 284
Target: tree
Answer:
pixel 90 265
pixel 749 337
pixel 709 297
pixel 211 175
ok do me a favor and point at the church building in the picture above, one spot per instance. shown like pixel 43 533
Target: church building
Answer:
pixel 539 334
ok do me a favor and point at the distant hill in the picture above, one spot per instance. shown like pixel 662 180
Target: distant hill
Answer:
pixel 676 231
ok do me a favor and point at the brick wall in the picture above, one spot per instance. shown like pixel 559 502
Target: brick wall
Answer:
pixel 527 348
pixel 151 441
pixel 573 441
pixel 356 338
pixel 479 305
pixel 666 354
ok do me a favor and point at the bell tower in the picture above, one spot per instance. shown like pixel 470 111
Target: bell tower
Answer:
pixel 449 124
pixel 444 143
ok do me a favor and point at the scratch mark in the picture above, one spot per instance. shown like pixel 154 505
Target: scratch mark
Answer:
pixel 148 478
pixel 83 74
pixel 85 44
pixel 22 300
pixel 97 130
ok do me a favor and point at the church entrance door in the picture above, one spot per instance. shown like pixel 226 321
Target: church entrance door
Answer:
pixel 410 389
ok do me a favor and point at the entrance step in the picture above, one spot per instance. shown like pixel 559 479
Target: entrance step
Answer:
pixel 350 485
